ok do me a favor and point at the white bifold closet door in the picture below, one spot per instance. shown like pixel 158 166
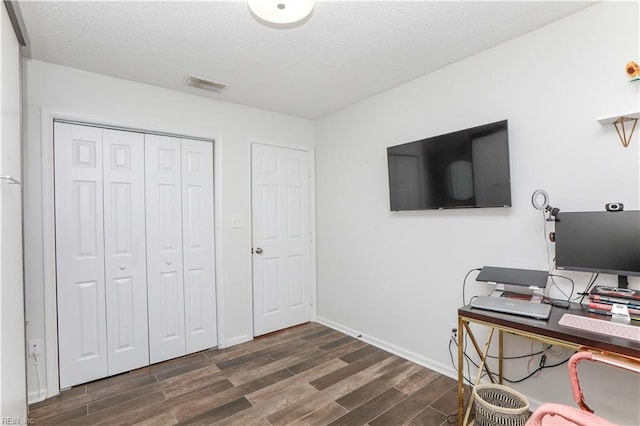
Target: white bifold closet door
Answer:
pixel 197 245
pixel 181 285
pixel 125 251
pixel 100 252
pixel 134 250
pixel 164 248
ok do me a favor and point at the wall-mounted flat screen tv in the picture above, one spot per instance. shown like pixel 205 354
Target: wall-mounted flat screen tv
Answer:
pixel 464 169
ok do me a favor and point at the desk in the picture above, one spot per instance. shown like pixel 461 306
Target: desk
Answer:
pixel 545 331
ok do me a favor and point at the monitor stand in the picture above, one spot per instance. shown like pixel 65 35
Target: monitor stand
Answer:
pixel 623 281
pixel 532 293
pixel 498 291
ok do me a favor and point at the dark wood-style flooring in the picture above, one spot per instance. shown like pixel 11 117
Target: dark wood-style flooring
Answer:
pixel 305 375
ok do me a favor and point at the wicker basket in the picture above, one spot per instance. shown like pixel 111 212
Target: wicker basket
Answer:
pixel 499 405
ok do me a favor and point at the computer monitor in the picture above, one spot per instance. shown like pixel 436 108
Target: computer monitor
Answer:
pixel 603 242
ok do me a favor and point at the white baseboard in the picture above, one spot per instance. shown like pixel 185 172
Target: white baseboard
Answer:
pixel 408 355
pixel 237 340
pixel 33 397
pixel 394 349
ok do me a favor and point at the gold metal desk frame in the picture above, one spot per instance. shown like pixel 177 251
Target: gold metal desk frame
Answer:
pixel 567 340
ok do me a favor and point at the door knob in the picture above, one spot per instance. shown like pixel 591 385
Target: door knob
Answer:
pixel 168 262
pixel 258 250
pixel 123 267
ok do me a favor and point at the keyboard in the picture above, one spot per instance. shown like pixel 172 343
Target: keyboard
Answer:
pixel 626 331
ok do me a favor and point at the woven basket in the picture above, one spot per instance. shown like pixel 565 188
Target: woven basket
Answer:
pixel 499 405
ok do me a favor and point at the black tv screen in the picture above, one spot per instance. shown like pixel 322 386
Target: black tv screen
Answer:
pixel 464 169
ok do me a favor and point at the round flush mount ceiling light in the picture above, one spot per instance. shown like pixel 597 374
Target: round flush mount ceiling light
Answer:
pixel 281 12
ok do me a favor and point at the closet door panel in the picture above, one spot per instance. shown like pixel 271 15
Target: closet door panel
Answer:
pixel 197 229
pixel 79 254
pixel 125 250
pixel 164 247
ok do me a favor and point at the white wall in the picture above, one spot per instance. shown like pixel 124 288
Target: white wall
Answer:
pixel 397 277
pixel 13 404
pixel 53 89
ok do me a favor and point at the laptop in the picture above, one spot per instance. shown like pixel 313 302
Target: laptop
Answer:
pixel 512 306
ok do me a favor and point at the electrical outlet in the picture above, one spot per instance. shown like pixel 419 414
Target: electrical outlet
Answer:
pixel 35 347
pixel 454 329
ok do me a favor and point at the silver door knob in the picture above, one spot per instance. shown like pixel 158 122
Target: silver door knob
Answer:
pixel 123 267
pixel 258 250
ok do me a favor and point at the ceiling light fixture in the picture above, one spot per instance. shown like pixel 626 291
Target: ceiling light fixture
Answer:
pixel 281 12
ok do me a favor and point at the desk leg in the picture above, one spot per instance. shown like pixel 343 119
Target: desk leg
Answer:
pixel 500 354
pixel 479 351
pixel 460 371
pixel 482 365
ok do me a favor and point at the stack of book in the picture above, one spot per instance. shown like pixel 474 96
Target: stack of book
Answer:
pixel 602 299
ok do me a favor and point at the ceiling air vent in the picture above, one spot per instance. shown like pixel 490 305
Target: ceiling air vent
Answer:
pixel 201 83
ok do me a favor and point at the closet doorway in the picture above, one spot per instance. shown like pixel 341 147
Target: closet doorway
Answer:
pixel 134 224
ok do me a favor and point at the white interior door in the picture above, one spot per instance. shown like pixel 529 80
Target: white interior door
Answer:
pixel 281 234
pixel 197 236
pixel 164 247
pixel 125 252
pixel 80 254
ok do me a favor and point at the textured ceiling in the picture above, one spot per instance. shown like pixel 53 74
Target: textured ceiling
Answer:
pixel 345 52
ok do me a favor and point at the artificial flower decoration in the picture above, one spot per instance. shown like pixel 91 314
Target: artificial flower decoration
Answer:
pixel 633 70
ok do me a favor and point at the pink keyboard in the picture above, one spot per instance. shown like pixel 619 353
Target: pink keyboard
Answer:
pixel 626 331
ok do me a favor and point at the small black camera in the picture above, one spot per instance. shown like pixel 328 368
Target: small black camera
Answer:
pixel 614 207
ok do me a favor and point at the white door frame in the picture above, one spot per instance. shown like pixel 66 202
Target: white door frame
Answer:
pixel 52 379
pixel 312 222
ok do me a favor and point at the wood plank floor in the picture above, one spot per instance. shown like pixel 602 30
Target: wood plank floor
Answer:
pixel 305 375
